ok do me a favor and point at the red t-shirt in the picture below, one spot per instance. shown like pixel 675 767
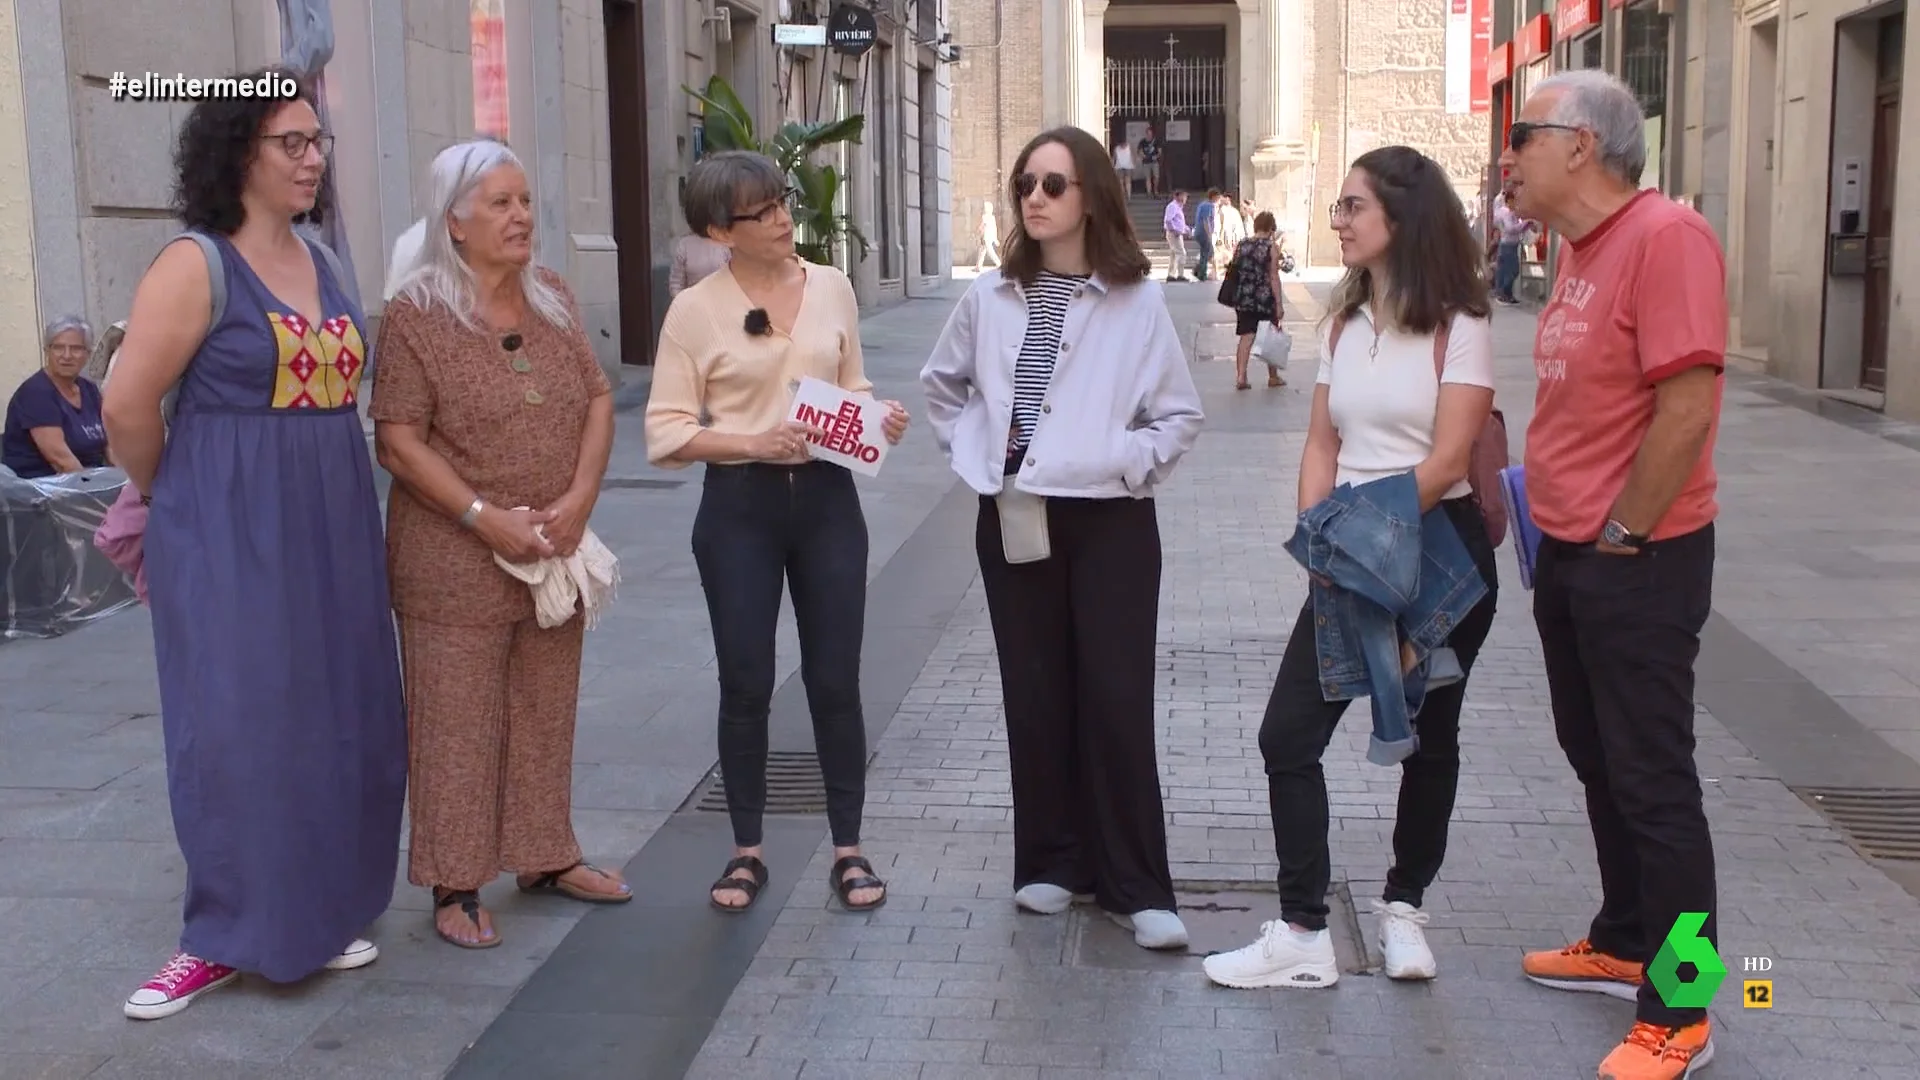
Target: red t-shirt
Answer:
pixel 1640 299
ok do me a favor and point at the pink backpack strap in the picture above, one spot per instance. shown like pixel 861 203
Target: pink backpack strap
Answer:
pixel 1333 338
pixel 1440 335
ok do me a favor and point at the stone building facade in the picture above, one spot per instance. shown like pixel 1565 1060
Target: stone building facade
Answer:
pixel 1290 91
pixel 588 92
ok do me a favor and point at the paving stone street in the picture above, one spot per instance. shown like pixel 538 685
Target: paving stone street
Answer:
pixel 1813 684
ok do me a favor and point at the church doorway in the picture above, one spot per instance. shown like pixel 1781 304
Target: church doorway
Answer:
pixel 1172 81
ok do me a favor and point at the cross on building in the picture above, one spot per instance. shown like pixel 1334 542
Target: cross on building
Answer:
pixel 1170 43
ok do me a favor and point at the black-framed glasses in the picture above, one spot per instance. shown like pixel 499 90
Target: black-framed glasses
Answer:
pixel 295 143
pixel 1522 132
pixel 1054 184
pixel 786 199
pixel 1344 208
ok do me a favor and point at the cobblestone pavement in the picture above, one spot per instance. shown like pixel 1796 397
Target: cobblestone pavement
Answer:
pixel 949 982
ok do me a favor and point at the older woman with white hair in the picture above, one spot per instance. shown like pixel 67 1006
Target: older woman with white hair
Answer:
pixel 53 421
pixel 496 421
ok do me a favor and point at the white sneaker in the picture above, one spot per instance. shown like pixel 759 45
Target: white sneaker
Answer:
pixel 1154 929
pixel 1402 941
pixel 1044 899
pixel 1283 957
pixel 357 955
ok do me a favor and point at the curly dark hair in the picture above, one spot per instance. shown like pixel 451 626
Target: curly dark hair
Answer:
pixel 217 144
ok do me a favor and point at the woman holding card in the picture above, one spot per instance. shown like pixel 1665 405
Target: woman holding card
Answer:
pixel 1060 391
pixel 734 347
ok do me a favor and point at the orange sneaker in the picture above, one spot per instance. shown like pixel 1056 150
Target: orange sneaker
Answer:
pixel 1580 966
pixel 1652 1052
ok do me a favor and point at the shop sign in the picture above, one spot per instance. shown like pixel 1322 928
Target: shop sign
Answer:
pixel 799 34
pixel 1572 18
pixel 1534 40
pixel 852 30
pixel 1500 64
pixel 1469 36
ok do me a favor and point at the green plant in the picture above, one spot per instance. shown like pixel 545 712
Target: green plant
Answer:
pixel 820 225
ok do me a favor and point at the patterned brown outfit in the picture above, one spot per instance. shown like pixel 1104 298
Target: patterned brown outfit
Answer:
pixel 491 697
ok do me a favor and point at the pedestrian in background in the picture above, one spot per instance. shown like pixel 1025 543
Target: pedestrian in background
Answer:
pixel 1060 392
pixel 1405 386
pixel 1203 224
pixel 496 421
pixel 280 694
pixel 1630 358
pixel 1174 223
pixel 734 345
pixel 53 423
pixel 1257 296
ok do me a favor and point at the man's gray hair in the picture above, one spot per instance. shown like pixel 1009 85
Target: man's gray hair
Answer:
pixel 1595 101
pixel 63 323
pixel 439 273
pixel 721 185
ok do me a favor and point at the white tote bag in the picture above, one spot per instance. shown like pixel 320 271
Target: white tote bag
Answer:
pixel 1272 346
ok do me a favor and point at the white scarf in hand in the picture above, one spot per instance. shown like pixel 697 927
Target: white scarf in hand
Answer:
pixel 583 581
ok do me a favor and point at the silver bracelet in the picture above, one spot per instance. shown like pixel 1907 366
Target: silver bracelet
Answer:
pixel 471 516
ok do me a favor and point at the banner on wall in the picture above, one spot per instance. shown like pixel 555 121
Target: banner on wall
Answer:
pixel 1469 39
pixel 488 30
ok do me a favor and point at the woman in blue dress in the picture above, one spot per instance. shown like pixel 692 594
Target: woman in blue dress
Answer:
pixel 279 676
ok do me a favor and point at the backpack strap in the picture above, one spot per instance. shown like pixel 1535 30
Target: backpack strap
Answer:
pixel 1333 338
pixel 216 271
pixel 1440 336
pixel 332 260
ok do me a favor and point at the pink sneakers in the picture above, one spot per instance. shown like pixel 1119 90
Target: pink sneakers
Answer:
pixel 183 979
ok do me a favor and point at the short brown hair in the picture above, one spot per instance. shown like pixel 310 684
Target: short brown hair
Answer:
pixel 1264 222
pixel 1435 261
pixel 1113 251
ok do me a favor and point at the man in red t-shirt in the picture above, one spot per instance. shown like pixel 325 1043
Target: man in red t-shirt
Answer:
pixel 1620 480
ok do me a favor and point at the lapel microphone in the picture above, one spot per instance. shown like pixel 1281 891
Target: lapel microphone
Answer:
pixel 758 324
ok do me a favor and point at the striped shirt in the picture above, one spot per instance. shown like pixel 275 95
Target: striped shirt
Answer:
pixel 1047 300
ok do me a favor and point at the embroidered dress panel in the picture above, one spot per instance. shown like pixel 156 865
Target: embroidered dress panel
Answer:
pixel 1047 302
pixel 320 364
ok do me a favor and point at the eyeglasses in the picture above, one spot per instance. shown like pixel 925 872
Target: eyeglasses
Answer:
pixel 1054 184
pixel 786 199
pixel 1522 132
pixel 295 143
pixel 1344 208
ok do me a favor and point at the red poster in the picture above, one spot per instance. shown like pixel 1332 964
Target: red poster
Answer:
pixel 489 73
pixel 1480 12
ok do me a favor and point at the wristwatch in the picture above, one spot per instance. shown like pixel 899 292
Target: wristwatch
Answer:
pixel 471 516
pixel 1616 534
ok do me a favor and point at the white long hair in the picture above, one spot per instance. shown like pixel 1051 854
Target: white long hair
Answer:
pixel 438 274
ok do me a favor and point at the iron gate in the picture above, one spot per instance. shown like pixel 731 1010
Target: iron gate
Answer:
pixel 1184 87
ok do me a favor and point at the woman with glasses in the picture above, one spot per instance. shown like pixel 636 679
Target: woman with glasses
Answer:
pixel 1405 387
pixel 279 681
pixel 496 421
pixel 53 421
pixel 1060 392
pixel 733 347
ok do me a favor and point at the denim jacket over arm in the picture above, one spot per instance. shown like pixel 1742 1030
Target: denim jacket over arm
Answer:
pixel 1396 573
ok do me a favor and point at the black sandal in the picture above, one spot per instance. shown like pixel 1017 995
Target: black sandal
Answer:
pixel 550 882
pixel 844 886
pixel 749 886
pixel 469 902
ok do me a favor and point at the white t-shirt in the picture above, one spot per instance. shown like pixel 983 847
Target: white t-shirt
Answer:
pixel 1123 157
pixel 1383 405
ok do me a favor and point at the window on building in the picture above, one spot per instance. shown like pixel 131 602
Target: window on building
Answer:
pixel 488 25
pixel 1644 61
pixel 1586 52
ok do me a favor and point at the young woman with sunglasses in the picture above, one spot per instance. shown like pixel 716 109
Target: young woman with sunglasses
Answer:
pixel 1060 392
pixel 731 348
pixel 1381 409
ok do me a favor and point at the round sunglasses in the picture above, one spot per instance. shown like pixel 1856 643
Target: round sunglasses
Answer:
pixel 1054 184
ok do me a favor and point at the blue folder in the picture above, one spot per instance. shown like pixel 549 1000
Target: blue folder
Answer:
pixel 1513 488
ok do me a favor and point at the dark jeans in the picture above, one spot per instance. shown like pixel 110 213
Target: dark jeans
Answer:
pixel 1299 724
pixel 1506 270
pixel 1620 635
pixel 757 526
pixel 1077 635
pixel 1203 258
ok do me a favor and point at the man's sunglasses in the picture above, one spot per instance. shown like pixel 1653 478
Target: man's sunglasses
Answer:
pixel 1054 184
pixel 1522 132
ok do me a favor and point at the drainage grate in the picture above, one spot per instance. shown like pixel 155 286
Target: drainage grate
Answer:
pixel 1883 823
pixel 616 483
pixel 794 786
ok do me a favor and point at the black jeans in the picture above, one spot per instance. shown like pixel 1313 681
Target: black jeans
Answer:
pixel 1620 635
pixel 1077 636
pixel 1300 723
pixel 757 526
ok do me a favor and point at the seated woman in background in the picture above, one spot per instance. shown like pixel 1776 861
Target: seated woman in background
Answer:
pixel 53 422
